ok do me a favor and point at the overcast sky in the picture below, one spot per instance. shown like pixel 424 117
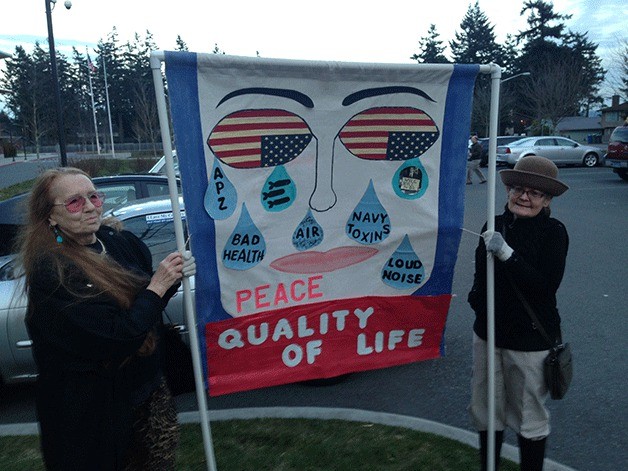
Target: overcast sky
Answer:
pixel 344 30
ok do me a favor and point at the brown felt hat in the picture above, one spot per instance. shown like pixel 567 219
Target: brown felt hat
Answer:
pixel 535 172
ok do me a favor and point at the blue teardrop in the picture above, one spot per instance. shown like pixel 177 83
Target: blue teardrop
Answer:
pixel 308 233
pixel 403 269
pixel 221 196
pixel 246 246
pixel 368 223
pixel 410 180
pixel 279 191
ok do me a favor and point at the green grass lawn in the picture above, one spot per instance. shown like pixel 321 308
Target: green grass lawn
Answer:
pixel 295 445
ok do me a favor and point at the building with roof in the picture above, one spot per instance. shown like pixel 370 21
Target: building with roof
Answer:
pixel 581 129
pixel 613 116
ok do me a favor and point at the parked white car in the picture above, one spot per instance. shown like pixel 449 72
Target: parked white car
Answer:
pixel 160 165
pixel 560 150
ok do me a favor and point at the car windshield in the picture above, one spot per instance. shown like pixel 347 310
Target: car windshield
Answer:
pixel 157 232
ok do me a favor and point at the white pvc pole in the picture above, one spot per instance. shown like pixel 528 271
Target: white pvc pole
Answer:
pixel 190 315
pixel 496 74
pixel 104 68
pixel 91 94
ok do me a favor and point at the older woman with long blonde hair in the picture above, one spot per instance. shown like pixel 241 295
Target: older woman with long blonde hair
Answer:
pixel 93 305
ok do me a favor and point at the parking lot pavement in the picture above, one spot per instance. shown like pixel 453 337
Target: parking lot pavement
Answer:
pixel 22 168
pixel 16 171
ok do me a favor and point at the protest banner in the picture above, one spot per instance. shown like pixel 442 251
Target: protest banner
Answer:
pixel 324 202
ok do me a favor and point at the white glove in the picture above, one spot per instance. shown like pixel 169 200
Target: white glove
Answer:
pixel 496 244
pixel 189 264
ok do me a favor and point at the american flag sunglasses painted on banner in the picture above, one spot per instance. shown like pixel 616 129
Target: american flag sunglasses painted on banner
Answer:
pixel 270 137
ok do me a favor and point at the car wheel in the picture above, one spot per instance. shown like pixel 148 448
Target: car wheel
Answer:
pixel 590 160
pixel 623 175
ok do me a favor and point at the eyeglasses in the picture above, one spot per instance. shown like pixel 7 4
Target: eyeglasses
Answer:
pixel 76 203
pixel 517 191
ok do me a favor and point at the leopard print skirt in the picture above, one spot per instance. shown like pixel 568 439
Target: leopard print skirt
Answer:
pixel 155 433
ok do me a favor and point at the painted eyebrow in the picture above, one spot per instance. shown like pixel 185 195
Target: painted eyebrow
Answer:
pixel 281 92
pixel 371 92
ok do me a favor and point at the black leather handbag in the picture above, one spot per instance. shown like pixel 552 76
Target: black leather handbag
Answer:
pixel 558 370
pixel 558 365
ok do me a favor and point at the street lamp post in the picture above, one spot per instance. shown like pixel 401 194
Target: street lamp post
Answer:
pixel 55 81
pixel 514 76
pixel 522 74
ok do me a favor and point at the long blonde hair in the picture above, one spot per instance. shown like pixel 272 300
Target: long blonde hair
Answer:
pixel 37 238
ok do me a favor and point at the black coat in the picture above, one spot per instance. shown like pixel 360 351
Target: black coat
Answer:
pixel 475 151
pixel 537 265
pixel 87 386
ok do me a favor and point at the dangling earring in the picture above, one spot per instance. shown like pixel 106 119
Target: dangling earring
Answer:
pixel 58 236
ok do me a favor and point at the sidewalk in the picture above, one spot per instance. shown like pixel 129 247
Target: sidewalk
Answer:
pixel 321 413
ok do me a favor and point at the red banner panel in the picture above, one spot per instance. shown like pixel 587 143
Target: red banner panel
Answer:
pixel 322 340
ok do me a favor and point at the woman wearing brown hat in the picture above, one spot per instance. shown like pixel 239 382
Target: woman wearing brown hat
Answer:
pixel 530 249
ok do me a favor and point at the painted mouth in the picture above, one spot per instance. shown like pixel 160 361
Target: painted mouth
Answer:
pixel 323 262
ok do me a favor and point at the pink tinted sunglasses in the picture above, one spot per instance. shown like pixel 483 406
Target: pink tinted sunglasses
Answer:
pixel 76 203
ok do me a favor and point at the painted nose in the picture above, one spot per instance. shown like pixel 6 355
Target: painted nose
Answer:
pixel 324 197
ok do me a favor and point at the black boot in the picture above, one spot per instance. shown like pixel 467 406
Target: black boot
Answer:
pixel 531 453
pixel 499 438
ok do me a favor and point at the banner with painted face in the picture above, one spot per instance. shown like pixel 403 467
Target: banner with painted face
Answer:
pixel 325 205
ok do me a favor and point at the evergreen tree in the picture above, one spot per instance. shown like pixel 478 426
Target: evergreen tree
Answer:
pixel 78 110
pixel 130 85
pixel 510 54
pixel 110 60
pixel 181 45
pixel 144 122
pixel 217 50
pixel 541 14
pixel 475 43
pixel 32 99
pixel 431 48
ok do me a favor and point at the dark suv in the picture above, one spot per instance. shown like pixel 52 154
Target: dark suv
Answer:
pixel 617 153
pixel 501 141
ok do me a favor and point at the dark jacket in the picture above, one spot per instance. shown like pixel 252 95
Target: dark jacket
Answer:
pixel 87 385
pixel 537 265
pixel 475 151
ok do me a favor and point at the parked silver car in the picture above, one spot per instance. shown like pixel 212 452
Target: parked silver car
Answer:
pixel 560 150
pixel 149 219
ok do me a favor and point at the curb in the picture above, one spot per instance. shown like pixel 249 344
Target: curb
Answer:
pixel 322 413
